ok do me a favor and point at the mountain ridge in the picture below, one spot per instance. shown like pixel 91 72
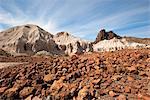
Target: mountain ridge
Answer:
pixel 31 39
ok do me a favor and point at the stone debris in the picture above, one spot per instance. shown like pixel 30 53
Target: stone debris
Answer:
pixel 119 75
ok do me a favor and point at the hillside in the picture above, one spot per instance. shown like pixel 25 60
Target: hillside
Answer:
pixel 27 39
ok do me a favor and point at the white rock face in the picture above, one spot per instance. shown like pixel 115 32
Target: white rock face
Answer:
pixel 27 39
pixel 116 44
pixel 71 44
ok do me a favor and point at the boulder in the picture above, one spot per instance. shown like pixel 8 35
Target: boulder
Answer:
pixel 26 91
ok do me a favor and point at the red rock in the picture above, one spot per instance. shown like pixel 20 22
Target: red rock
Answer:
pixel 112 94
pixel 26 91
pixel 80 79
pixel 90 62
pixel 121 97
pixel 74 57
pixel 116 77
pixel 148 86
pixel 10 92
pixel 127 89
pixel 20 83
pixel 29 97
pixel 139 96
pixel 97 62
pixel 146 97
pixel 48 77
pixel 81 65
pixel 131 69
pixel 82 93
pixel 36 98
pixel 83 60
pixel 97 67
pixel 2 89
pixel 97 72
pixel 88 68
pixel 143 97
pixel 96 81
pixel 43 92
pixel 142 73
pixel 57 84
pixel 64 64
pixel 130 78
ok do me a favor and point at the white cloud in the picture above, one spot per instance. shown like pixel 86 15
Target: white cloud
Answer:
pixel 141 32
pixel 116 20
pixel 9 19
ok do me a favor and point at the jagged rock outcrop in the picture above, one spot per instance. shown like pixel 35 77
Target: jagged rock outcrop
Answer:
pixel 71 44
pixel 27 39
pixel 103 35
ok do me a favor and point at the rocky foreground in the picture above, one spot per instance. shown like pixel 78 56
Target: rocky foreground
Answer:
pixel 117 75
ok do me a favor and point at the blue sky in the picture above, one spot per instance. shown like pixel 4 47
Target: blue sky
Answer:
pixel 82 18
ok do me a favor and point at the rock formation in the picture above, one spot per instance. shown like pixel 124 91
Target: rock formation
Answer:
pixel 116 44
pixel 71 44
pixel 27 39
pixel 103 35
pixel 30 39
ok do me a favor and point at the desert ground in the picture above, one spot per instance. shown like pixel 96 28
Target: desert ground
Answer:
pixel 121 75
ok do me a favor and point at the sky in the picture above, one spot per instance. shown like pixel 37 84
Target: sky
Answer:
pixel 81 18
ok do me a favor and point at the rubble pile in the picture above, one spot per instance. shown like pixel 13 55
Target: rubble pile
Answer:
pixel 120 75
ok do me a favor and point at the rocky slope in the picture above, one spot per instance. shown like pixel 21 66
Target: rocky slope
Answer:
pixel 31 39
pixel 119 75
pixel 27 39
pixel 71 44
